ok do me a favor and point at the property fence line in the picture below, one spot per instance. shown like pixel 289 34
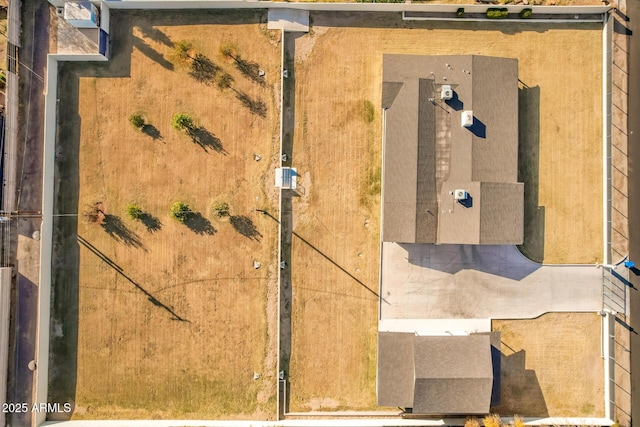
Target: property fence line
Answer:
pixel 350 7
pixel 46 242
pixel 280 400
pixel 607 182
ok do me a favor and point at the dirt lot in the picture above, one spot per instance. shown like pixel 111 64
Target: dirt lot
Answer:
pixel 551 366
pixel 337 149
pixel 153 318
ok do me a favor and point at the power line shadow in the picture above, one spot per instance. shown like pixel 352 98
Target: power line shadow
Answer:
pixel 121 272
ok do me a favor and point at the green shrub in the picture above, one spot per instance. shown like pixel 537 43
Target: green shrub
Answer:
pixel 368 111
pixel 180 211
pixel 137 121
pixel 526 13
pixel 182 121
pixel 497 13
pixel 221 209
pixel 460 12
pixel 134 211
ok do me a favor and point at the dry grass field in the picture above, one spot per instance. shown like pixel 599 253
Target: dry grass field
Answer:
pixel 153 318
pixel 551 366
pixel 337 150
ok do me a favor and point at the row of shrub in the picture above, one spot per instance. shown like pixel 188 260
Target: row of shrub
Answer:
pixel 499 13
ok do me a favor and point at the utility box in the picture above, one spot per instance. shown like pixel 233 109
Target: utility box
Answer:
pixel 82 14
pixel 467 118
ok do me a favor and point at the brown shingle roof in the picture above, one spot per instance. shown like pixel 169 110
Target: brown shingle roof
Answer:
pixel 427 153
pixel 441 375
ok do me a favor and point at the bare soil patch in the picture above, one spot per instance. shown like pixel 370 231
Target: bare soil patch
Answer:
pixel 337 151
pixel 551 366
pixel 158 318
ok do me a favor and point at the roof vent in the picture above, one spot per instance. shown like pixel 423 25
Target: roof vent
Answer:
pixel 460 195
pixel 446 92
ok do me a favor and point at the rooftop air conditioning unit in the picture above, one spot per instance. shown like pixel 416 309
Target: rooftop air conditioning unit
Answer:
pixel 467 118
pixel 446 92
pixel 460 195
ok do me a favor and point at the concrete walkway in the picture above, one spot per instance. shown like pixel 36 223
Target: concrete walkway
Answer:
pixel 474 282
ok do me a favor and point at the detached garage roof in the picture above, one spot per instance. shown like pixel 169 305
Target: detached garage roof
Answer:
pixel 429 152
pixel 435 375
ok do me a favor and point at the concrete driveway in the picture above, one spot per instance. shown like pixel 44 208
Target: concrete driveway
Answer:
pixel 423 281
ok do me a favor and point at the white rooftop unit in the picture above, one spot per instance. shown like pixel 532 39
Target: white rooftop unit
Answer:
pixel 81 14
pixel 460 195
pixel 286 178
pixel 446 92
pixel 467 118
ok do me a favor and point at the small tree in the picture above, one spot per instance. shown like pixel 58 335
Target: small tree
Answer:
pixel 228 50
pixel 460 12
pixel 134 211
pixel 182 50
pixel 180 211
pixel 221 209
pixel 492 420
pixel 224 80
pixel 526 13
pixel 94 213
pixel 182 121
pixel 137 120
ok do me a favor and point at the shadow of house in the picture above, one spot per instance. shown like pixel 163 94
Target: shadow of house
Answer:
pixel 63 350
pixel 154 34
pixel 152 131
pixel 499 260
pixel 203 69
pixel 117 230
pixel 520 391
pixel 151 53
pixel 206 140
pixel 199 224
pixel 245 226
pixel 529 171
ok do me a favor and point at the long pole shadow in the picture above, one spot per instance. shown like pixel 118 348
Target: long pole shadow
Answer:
pixel 327 258
pixel 120 271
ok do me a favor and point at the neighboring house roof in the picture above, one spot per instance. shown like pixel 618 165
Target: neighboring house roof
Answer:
pixel 435 375
pixel 428 153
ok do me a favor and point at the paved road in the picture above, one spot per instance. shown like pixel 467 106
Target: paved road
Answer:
pixel 633 12
pixel 467 282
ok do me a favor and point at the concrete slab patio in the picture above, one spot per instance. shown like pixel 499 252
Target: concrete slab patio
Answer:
pixel 424 281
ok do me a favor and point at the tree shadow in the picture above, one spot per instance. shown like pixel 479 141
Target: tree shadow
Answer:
pixel 152 223
pixel 203 69
pixel 206 140
pixel 245 226
pixel 152 131
pixel 256 106
pixel 199 224
pixel 117 230
pixel 151 53
pixel 249 69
